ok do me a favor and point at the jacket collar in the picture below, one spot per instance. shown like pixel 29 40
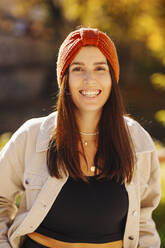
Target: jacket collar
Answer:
pixel 141 139
pixel 45 131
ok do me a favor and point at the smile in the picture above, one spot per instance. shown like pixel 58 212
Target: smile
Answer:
pixel 90 93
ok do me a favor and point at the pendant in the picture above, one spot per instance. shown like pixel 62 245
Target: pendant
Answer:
pixel 93 168
pixel 85 143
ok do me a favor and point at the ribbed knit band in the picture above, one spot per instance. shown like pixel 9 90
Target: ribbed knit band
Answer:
pixel 79 38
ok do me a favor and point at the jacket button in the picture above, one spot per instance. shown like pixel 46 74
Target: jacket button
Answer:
pixel 134 213
pixel 131 238
pixel 27 181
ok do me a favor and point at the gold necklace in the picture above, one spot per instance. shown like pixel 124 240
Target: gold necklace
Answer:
pixel 92 167
pixel 85 142
pixel 89 134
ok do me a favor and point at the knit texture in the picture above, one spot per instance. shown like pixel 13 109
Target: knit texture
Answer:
pixel 79 38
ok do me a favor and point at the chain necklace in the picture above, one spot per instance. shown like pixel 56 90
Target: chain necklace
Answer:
pixel 89 134
pixel 92 167
pixel 85 142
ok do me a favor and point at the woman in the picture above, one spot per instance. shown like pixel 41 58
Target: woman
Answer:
pixel 89 175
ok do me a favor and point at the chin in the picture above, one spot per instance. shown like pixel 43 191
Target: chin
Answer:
pixel 90 110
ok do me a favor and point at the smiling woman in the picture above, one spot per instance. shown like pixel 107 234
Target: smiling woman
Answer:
pixel 89 174
pixel 89 81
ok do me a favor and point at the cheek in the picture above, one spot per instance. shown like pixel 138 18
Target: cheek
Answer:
pixel 73 90
pixel 73 83
pixel 107 90
pixel 107 85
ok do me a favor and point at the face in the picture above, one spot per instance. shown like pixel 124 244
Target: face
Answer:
pixel 89 80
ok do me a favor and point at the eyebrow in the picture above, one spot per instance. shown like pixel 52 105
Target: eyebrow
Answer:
pixel 96 63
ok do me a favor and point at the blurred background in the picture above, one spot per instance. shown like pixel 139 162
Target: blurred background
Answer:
pixel 30 35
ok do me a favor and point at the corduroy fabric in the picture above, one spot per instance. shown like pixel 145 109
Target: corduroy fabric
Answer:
pixel 82 37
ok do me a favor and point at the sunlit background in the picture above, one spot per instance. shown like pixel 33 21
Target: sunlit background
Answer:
pixel 30 35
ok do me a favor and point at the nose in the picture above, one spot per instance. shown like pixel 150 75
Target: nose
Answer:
pixel 89 77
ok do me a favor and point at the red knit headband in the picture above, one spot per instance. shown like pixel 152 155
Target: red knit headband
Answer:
pixel 79 38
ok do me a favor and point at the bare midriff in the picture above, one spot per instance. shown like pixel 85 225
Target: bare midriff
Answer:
pixel 53 243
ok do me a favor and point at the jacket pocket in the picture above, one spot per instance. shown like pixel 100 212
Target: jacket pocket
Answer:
pixel 33 183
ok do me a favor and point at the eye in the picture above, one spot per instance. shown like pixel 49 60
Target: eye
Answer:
pixel 77 69
pixel 100 68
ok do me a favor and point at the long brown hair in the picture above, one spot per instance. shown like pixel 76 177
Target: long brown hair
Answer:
pixel 115 146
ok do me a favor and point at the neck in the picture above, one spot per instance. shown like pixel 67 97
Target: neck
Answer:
pixel 88 121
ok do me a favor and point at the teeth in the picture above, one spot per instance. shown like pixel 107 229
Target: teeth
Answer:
pixel 90 93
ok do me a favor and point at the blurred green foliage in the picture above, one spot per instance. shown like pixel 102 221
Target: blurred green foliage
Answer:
pixel 4 138
pixel 158 80
pixel 137 23
pixel 160 116
pixel 127 21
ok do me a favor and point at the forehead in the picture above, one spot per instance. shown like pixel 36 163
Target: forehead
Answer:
pixel 89 53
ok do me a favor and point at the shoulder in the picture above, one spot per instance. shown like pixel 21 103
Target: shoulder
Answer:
pixel 141 138
pixel 39 123
pixel 35 130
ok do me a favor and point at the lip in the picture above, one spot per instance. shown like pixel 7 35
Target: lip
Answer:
pixel 96 93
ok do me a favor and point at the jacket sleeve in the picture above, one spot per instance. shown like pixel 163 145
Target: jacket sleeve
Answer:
pixel 150 197
pixel 11 174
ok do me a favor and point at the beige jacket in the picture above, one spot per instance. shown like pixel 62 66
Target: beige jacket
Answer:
pixel 23 169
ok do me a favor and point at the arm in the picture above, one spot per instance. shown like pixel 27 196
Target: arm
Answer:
pixel 11 173
pixel 148 179
pixel 150 197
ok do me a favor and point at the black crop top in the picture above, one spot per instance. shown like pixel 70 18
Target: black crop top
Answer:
pixel 93 212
